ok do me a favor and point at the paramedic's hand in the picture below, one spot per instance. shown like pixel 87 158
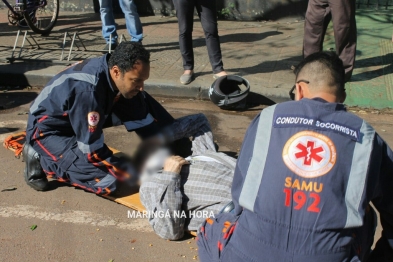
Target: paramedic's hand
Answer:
pixel 174 164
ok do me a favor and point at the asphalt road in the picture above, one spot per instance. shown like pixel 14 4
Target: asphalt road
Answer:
pixel 73 225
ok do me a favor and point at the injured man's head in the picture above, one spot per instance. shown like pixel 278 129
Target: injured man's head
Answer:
pixel 151 161
pixel 150 157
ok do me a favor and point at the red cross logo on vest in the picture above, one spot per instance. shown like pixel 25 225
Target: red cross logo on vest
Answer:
pixel 309 154
pixel 93 118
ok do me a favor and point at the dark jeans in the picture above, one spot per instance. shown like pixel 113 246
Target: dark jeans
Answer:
pixel 342 13
pixel 207 12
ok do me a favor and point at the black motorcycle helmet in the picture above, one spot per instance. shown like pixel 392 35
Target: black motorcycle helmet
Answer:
pixel 226 93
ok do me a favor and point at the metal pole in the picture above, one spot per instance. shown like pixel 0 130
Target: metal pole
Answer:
pixel 72 45
pixel 75 43
pixel 16 41
pixel 23 43
pixel 62 49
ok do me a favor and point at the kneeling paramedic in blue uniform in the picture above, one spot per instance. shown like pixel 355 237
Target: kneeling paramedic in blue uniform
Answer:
pixel 305 177
pixel 64 136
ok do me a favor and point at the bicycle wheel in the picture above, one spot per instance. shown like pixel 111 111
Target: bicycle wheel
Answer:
pixel 41 15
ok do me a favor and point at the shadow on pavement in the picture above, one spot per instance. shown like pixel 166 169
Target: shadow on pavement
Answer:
pixel 14 74
pixel 292 8
pixel 253 103
pixel 374 61
pixel 10 100
pixel 8 29
pixel 254 99
pixel 54 184
pixel 8 130
pixel 77 19
pixel 230 153
pixel 232 38
pixel 247 37
pixel 269 66
pixel 165 22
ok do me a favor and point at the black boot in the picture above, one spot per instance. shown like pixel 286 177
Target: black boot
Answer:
pixel 34 174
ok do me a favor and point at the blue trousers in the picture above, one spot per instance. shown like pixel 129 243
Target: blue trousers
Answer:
pixel 133 23
pixel 217 241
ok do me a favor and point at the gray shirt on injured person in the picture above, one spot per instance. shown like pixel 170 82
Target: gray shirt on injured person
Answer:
pixel 204 185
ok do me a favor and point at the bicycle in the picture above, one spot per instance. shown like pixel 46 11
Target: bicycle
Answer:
pixel 40 16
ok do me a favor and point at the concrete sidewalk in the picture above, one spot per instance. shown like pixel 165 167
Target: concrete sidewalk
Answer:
pixel 263 52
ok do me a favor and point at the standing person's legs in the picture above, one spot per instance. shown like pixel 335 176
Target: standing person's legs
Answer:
pixel 344 25
pixel 316 22
pixel 108 21
pixel 207 11
pixel 133 22
pixel 185 16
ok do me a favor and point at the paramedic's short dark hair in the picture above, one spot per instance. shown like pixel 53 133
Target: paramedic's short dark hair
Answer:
pixel 324 67
pixel 126 54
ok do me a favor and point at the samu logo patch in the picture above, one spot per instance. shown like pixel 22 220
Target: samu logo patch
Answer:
pixel 93 118
pixel 309 154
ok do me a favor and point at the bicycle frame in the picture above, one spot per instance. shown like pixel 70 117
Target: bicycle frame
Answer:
pixel 10 7
pixel 23 13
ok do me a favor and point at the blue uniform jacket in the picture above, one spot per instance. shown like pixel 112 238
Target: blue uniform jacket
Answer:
pixel 78 103
pixel 305 176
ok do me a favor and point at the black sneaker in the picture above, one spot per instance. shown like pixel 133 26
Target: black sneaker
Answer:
pixel 106 48
pixel 34 174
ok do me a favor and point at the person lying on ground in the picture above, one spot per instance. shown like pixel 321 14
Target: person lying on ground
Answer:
pixel 179 193
pixel 305 177
pixel 64 135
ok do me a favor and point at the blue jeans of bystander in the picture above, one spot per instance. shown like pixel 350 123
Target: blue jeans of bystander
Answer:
pixel 133 23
